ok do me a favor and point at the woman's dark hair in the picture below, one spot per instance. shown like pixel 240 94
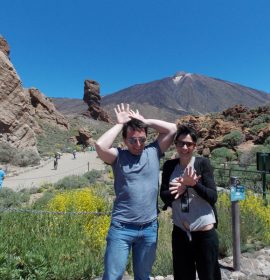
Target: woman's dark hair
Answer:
pixel 134 124
pixel 185 130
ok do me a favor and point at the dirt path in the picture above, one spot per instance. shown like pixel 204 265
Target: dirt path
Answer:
pixel 46 173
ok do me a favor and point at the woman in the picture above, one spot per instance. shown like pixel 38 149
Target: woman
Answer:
pixel 188 187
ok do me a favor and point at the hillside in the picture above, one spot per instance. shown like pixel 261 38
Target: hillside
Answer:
pixel 185 94
pixel 172 97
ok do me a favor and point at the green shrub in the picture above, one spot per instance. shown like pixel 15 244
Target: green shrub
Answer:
pixel 72 182
pixel 11 199
pixel 26 157
pixel 42 202
pixel 267 141
pixel 6 152
pixel 234 138
pixel 93 175
pixel 255 223
pixel 261 119
pixel 18 157
pixel 255 129
pixel 223 153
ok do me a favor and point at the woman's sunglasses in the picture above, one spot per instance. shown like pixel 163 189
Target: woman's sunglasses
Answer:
pixel 183 143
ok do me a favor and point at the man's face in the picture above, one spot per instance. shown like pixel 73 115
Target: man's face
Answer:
pixel 135 141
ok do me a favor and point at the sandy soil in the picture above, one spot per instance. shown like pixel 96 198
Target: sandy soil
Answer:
pixel 67 165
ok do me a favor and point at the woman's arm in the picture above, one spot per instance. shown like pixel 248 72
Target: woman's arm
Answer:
pixel 206 186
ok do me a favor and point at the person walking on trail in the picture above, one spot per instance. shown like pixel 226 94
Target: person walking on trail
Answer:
pixel 2 177
pixel 74 154
pixel 55 163
pixel 188 187
pixel 136 171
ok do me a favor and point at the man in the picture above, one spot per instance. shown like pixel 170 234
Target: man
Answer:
pixel 2 176
pixel 136 172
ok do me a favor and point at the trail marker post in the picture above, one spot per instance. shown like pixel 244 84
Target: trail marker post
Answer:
pixel 237 193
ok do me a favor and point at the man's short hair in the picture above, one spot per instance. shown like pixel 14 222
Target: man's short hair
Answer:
pixel 185 130
pixel 134 124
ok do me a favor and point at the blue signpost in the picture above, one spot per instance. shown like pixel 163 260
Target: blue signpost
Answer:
pixel 237 192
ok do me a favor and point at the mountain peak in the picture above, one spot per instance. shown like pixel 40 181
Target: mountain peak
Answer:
pixel 184 94
pixel 180 75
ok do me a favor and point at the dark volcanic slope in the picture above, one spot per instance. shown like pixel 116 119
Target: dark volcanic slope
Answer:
pixel 183 94
pixel 70 106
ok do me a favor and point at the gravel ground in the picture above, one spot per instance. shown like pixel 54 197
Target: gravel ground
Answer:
pixel 67 165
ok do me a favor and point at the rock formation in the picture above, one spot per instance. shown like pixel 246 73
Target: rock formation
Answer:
pixel 92 98
pixel 84 138
pixel 22 109
pixel 4 47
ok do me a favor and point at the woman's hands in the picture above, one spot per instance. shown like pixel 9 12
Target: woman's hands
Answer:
pixel 177 188
pixel 189 178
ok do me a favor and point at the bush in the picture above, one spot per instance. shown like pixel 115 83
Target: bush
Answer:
pixel 18 157
pixel 26 157
pixel 234 138
pixel 257 128
pixel 96 227
pixel 93 175
pixel 222 153
pixel 261 119
pixel 255 223
pixel 267 141
pixel 6 152
pixel 72 182
pixel 11 199
pixel 43 201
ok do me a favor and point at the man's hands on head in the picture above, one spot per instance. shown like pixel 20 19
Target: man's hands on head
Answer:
pixel 125 114
pixel 122 113
pixel 136 115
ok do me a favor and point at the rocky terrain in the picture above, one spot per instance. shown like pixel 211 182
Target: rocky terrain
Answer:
pixel 254 266
pixel 213 127
pixel 22 109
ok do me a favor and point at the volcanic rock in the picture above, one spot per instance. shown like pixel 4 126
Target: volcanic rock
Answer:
pixel 92 98
pixel 22 109
pixel 4 46
pixel 85 138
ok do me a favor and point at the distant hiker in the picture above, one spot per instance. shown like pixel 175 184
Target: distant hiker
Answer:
pixel 57 155
pixel 2 177
pixel 55 163
pixel 74 154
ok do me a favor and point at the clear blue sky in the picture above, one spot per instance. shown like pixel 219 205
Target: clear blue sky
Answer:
pixel 57 44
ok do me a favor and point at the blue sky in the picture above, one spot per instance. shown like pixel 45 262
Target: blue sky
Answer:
pixel 57 44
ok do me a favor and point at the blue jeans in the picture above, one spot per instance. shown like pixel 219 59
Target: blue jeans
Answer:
pixel 120 239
